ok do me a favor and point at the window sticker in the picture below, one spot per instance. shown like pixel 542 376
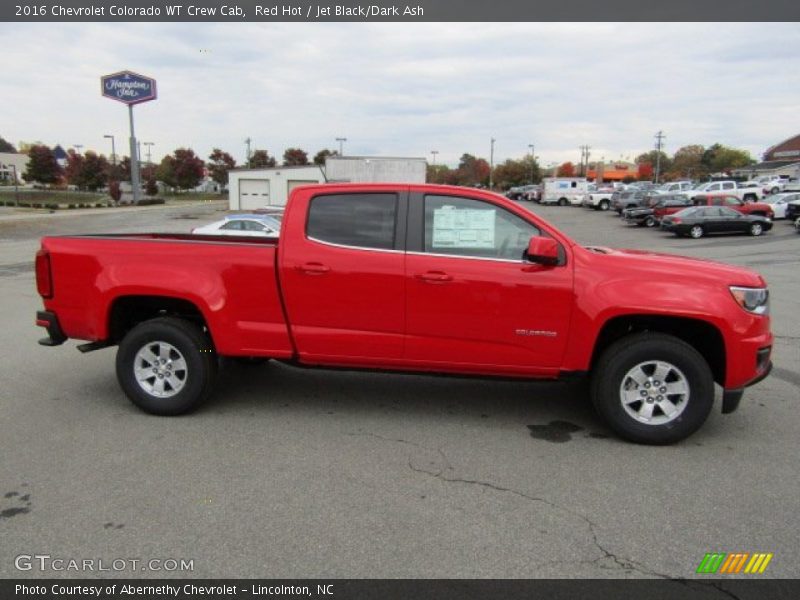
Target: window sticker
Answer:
pixel 463 228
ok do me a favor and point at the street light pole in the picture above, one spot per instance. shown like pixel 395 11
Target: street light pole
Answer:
pixel 533 161
pixel 341 141
pixel 491 165
pixel 434 152
pixel 16 186
pixel 149 147
pixel 113 150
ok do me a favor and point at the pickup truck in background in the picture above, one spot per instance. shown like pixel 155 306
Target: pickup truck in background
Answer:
pixel 760 209
pixel 416 278
pixel 751 192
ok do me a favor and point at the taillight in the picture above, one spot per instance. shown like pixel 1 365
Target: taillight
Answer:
pixel 44 280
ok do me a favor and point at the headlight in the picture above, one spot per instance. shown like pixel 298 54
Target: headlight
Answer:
pixel 754 300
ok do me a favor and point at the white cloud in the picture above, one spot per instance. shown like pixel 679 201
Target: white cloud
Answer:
pixel 401 89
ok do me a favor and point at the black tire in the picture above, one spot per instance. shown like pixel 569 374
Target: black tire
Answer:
pixel 189 343
pixel 650 222
pixel 625 356
pixel 562 201
pixel 604 205
pixel 696 232
pixel 756 229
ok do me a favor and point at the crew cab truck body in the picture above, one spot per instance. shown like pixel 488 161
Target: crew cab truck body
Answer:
pixel 745 193
pixel 761 209
pixel 414 278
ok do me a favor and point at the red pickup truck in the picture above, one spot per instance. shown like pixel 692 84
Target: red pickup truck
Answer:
pixel 417 278
pixel 761 209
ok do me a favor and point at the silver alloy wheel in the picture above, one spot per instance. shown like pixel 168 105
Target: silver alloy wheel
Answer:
pixel 756 229
pixel 160 369
pixel 654 392
pixel 696 232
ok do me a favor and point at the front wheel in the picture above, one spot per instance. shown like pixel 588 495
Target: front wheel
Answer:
pixel 166 366
pixel 604 205
pixel 653 388
pixel 756 229
pixel 650 222
pixel 562 201
pixel 696 232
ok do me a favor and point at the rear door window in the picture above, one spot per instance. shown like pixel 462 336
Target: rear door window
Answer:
pixel 355 220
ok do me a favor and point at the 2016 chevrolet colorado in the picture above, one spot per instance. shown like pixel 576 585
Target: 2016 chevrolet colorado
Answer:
pixel 417 278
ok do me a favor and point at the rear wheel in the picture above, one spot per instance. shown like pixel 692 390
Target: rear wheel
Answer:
pixel 166 366
pixel 756 229
pixel 604 205
pixel 696 232
pixel 653 388
pixel 650 222
pixel 562 201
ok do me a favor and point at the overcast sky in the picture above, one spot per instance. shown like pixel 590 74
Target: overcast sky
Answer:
pixel 406 89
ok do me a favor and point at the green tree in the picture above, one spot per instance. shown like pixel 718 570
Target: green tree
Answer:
pixel 94 173
pixel 319 157
pixel 42 165
pixel 261 159
pixel 6 146
pixel 516 172
pixel 295 157
pixel 219 163
pixel 718 158
pixel 653 158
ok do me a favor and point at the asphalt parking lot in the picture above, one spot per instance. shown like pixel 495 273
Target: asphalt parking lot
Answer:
pixel 302 473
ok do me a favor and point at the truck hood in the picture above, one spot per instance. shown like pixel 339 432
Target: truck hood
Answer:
pixel 676 267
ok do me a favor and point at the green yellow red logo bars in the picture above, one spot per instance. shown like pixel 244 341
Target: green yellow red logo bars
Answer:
pixel 735 562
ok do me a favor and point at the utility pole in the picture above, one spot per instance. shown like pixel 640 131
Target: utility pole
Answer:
pixel 533 161
pixel 113 150
pixel 659 144
pixel 491 165
pixel 149 147
pixel 16 185
pixel 78 147
pixel 341 141
pixel 434 152
pixel 247 141
pixel 584 159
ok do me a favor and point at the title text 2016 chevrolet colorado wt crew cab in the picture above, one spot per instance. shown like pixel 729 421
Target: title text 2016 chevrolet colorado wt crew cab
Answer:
pixel 415 278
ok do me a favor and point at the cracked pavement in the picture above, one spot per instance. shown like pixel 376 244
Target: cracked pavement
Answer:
pixel 300 473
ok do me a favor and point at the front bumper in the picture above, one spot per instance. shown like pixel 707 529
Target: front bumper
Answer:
pixel 49 320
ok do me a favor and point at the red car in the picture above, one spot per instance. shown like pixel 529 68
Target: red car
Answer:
pixel 414 278
pixel 761 209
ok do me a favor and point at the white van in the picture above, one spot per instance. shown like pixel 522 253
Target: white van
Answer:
pixel 564 190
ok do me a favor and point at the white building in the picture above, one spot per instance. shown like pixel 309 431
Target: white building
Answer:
pixel 11 161
pixel 375 169
pixel 256 188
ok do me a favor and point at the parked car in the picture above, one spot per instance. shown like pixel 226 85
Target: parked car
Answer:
pixel 391 290
pixel 673 186
pixel 772 184
pixel 646 215
pixel 792 211
pixel 797 224
pixel 517 193
pixel 534 194
pixel 748 208
pixel 243 224
pixel 629 199
pixel 780 202
pixel 697 221
pixel 598 200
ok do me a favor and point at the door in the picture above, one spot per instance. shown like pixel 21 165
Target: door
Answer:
pixel 342 275
pixel 253 193
pixel 473 303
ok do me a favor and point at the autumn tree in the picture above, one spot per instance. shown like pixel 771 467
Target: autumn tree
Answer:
pixel 6 146
pixel 654 158
pixel 261 159
pixel 42 165
pixel 516 172
pixel 688 162
pixel 644 171
pixel 93 172
pixel 322 155
pixel 719 158
pixel 295 157
pixel 181 169
pixel 73 168
pixel 566 169
pixel 472 170
pixel 219 163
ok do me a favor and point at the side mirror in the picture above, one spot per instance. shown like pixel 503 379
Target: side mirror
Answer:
pixel 543 250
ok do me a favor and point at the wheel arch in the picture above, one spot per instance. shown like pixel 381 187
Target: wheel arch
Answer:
pixel 702 335
pixel 125 312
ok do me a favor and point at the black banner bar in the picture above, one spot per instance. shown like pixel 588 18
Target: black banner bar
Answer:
pixel 396 10
pixel 343 589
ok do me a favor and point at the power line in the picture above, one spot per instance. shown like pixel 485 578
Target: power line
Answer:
pixel 660 137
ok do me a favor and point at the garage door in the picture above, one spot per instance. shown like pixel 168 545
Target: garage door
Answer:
pixel 293 183
pixel 253 193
